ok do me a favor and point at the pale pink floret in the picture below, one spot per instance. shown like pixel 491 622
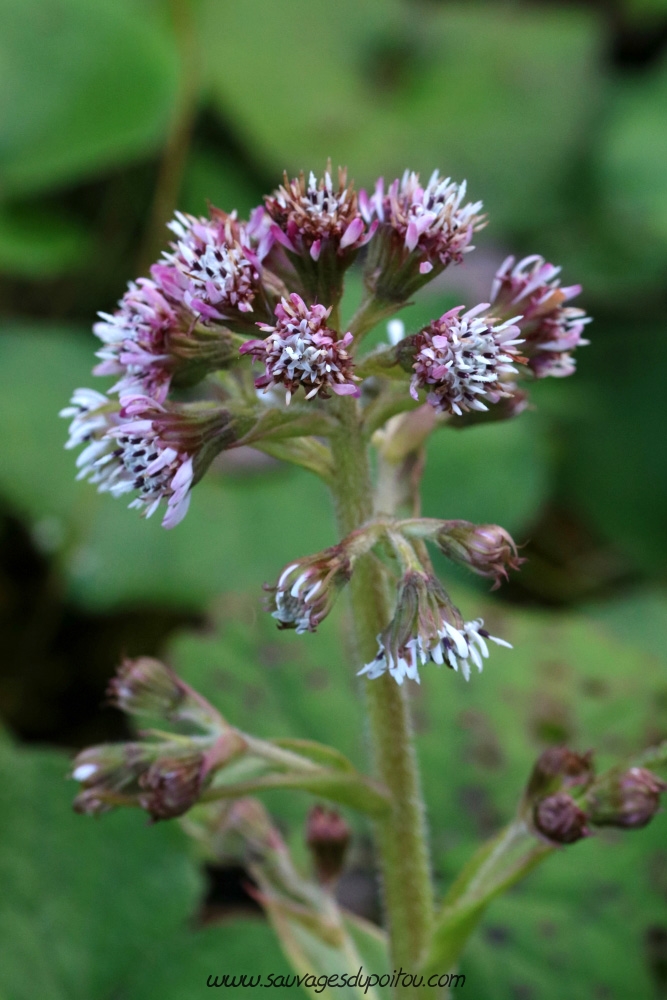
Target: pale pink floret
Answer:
pixel 212 267
pixel 136 340
pixel 431 220
pixel 550 329
pixel 301 351
pixel 463 360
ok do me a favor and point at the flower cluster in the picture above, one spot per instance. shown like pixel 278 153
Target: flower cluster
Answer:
pixel 301 351
pixel 427 627
pixel 464 359
pixel 550 330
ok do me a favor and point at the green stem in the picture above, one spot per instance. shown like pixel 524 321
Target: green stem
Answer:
pixel 402 836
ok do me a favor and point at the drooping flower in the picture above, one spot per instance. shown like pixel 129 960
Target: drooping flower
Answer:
pixel 307 589
pixel 158 450
pixel 151 340
pixel 314 216
pixel 486 549
pixel 212 267
pixel 422 230
pixel 463 360
pixel 551 330
pixel 427 627
pixel 301 351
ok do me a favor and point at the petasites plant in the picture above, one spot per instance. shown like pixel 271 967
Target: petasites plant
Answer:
pixel 248 313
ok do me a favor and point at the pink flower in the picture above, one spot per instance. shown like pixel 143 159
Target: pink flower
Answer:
pixel 431 220
pixel 137 337
pixel 302 351
pixel 550 329
pixel 157 450
pixel 212 267
pixel 309 215
pixel 463 360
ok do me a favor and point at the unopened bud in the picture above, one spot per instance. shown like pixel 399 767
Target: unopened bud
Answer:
pixel 109 773
pixel 486 549
pixel 327 836
pixel 147 687
pixel 629 800
pixel 560 820
pixel 171 786
pixel 559 768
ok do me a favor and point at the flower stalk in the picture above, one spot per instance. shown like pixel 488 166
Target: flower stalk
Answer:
pixel 402 835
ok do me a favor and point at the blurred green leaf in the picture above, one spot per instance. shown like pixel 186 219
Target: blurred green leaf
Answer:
pixel 233 948
pixel 85 85
pixel 83 905
pixel 495 473
pixel 477 90
pixel 217 180
pixel 611 471
pixel 36 243
pixel 634 148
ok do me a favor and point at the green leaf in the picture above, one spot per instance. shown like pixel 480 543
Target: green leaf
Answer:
pixel 83 905
pixel 610 472
pixel 490 474
pixel 234 948
pixel 37 243
pixel 633 151
pixel 86 86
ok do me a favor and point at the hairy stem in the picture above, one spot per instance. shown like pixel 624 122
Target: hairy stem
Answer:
pixel 402 836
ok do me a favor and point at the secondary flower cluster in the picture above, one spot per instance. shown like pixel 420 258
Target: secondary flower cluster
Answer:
pixel 281 272
pixel 426 626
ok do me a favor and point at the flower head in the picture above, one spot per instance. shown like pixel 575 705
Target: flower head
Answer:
pixel 628 799
pixel 486 549
pixel 463 360
pixel 307 589
pixel 301 350
pixel 158 450
pixel 311 216
pixel 427 627
pixel 422 230
pixel 211 266
pixel 152 339
pixel 551 330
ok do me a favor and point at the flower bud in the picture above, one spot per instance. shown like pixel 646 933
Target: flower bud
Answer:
pixel 629 800
pixel 172 785
pixel 486 549
pixel 109 774
pixel 328 837
pixel 559 768
pixel 560 820
pixel 146 686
